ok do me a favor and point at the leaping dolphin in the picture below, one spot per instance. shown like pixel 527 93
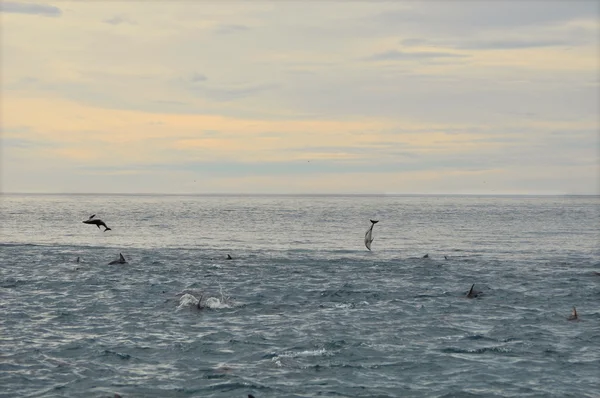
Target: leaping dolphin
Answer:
pixel 121 260
pixel 369 235
pixel 97 222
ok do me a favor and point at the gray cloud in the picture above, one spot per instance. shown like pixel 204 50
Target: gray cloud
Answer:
pixel 490 44
pixel 197 78
pixel 395 55
pixel 118 20
pixel 30 8
pixel 511 44
pixel 488 15
pixel 230 28
pixel 229 94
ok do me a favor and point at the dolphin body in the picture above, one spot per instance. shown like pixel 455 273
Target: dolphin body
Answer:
pixel 97 222
pixel 369 235
pixel 121 260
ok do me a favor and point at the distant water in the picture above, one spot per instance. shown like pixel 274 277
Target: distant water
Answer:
pixel 303 309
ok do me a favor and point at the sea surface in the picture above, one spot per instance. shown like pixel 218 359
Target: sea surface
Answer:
pixel 302 309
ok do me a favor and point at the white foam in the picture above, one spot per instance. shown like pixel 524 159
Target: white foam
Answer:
pixel 187 300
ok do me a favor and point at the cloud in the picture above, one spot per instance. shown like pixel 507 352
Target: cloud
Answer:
pixel 197 78
pixel 508 44
pixel 118 20
pixel 30 8
pixel 469 16
pixel 395 55
pixel 224 29
pixel 223 94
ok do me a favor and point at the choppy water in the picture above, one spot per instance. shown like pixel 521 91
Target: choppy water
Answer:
pixel 303 309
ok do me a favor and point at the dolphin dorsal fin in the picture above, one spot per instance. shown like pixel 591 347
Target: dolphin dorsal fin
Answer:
pixel 574 313
pixel 121 257
pixel 471 290
pixel 92 216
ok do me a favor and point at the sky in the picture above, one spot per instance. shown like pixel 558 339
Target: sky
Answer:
pixel 452 97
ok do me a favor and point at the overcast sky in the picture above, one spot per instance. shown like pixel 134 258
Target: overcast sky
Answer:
pixel 488 97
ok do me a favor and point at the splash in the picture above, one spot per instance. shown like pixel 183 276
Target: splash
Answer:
pixel 187 301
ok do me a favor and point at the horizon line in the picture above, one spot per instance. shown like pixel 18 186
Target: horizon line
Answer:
pixel 286 194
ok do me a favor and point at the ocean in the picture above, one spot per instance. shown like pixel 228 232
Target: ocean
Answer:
pixel 302 309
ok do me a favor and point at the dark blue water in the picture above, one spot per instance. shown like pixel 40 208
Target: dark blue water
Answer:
pixel 303 309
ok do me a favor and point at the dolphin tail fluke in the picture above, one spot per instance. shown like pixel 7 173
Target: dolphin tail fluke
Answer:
pixel 107 229
pixel 374 221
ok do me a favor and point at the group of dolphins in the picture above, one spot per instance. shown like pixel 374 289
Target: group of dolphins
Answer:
pixel 472 292
pixel 368 241
pixel 97 222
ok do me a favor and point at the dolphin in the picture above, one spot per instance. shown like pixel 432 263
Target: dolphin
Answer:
pixel 77 259
pixel 121 260
pixel 97 222
pixel 472 292
pixel 369 235
pixel 574 316
pixel 229 257
pixel 426 256
pixel 250 396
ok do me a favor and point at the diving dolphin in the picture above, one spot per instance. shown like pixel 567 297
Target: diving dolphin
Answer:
pixel 121 260
pixel 369 235
pixel 574 316
pixel 96 222
pixel 473 293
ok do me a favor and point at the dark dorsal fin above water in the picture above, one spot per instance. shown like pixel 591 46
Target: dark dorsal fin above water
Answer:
pixel 471 293
pixel 121 258
pixel 574 315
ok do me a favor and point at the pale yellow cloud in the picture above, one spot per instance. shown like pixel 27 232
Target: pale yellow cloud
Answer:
pixel 91 133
